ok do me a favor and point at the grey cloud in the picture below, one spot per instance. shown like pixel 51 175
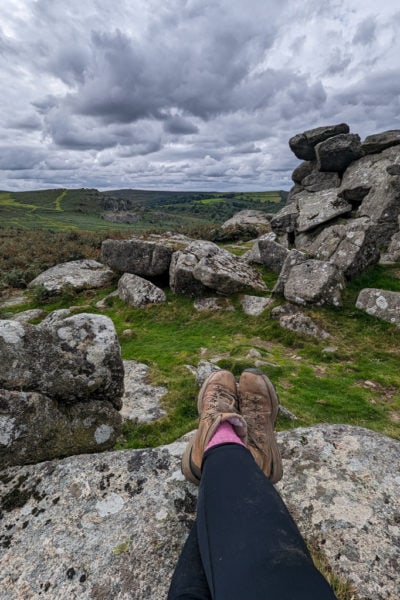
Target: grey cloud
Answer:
pixel 366 31
pixel 177 125
pixel 18 158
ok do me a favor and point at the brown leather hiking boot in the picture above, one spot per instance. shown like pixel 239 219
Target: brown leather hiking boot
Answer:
pixel 259 404
pixel 217 402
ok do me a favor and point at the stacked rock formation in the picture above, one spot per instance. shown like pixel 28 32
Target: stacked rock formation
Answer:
pixel 341 214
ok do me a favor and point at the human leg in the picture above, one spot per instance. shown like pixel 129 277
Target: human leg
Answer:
pixel 249 545
pixel 189 581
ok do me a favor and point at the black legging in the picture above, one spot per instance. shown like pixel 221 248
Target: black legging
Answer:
pixel 244 545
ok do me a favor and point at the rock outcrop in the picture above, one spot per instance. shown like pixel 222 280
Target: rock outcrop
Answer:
pixel 141 400
pixel 77 274
pixel 61 384
pixel 112 525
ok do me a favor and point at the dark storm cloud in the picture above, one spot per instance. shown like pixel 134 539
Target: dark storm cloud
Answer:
pixel 187 93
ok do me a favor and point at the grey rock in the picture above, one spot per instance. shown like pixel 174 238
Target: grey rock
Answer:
pixel 12 298
pixel 314 282
pixel 183 262
pixel 213 304
pixel 139 292
pixel 122 217
pixel 317 181
pixel 382 304
pixel 257 218
pixel 34 428
pixel 393 251
pixel 112 525
pixel 272 254
pixel 317 208
pixel 253 255
pixel 139 257
pixel 350 246
pixel 286 219
pixel 336 153
pixel 29 315
pixel 77 359
pixel 77 274
pixel 204 370
pixel 295 257
pixel 381 141
pixel 303 144
pixel 141 400
pixel 254 306
pixel 103 303
pixel 302 170
pixel 56 316
pixel 227 274
pixel 293 319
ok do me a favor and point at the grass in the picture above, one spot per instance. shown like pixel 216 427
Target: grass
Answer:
pixel 357 383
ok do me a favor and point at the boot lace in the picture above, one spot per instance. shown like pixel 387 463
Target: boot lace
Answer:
pixel 219 399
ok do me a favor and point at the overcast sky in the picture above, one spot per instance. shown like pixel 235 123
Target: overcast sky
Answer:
pixel 186 94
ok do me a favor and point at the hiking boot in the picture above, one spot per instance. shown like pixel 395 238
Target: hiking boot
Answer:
pixel 217 402
pixel 259 404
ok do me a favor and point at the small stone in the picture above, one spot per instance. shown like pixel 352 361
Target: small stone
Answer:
pixel 254 305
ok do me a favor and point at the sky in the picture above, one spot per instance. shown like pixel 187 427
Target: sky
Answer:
pixel 186 94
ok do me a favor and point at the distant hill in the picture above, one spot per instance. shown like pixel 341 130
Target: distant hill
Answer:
pixel 89 209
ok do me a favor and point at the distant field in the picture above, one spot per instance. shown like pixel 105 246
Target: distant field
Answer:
pixel 83 209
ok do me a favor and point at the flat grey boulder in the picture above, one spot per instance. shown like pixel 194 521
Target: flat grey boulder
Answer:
pixel 213 304
pixel 77 274
pixel 227 274
pixel 29 315
pixel 139 292
pixel 317 208
pixel 381 141
pixel 314 282
pixel 112 525
pixel 35 428
pixel 272 254
pixel 203 266
pixel 336 153
pixel 141 402
pixel 139 257
pixel 303 144
pixel 254 306
pixel 256 218
pixel 75 359
pixel 382 304
pixel 293 319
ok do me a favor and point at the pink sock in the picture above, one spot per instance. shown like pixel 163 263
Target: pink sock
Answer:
pixel 224 434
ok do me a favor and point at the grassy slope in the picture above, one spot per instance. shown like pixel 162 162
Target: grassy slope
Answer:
pixel 63 210
pixel 356 383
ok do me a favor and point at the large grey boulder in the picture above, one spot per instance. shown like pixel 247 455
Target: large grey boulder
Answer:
pixel 227 274
pixel 317 181
pixel 303 144
pixel 285 220
pixel 112 525
pixel 317 208
pixel 336 153
pixel 141 402
pixel 272 254
pixel 139 292
pixel 314 282
pixel 255 218
pixel 77 359
pixel 139 257
pixel 382 304
pixel 183 262
pixel 381 141
pixel 77 274
pixel 34 427
pixel 203 266
pixel 351 246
